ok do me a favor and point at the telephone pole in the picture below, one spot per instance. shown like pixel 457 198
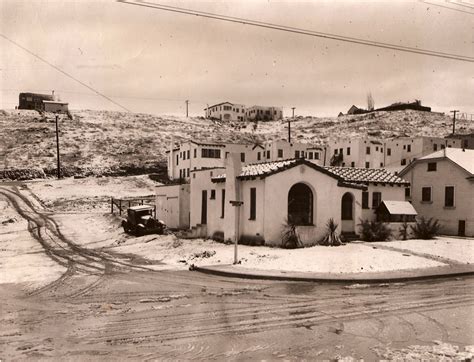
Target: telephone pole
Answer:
pixel 57 148
pixel 187 102
pixel 289 124
pixel 454 120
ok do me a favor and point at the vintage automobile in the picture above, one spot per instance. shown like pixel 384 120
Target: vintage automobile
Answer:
pixel 140 221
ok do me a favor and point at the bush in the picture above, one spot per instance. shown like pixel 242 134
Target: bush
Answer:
pixel 374 231
pixel 404 231
pixel 426 229
pixel 252 240
pixel 289 237
pixel 332 238
pixel 218 236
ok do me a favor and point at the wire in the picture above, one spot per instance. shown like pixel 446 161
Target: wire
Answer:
pixel 63 72
pixel 447 7
pixel 461 3
pixel 299 31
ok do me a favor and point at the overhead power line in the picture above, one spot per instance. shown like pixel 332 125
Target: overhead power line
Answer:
pixel 63 72
pixel 448 7
pixel 301 31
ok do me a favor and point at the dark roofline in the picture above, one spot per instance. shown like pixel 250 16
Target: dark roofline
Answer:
pixel 425 160
pixel 207 169
pixel 220 104
pixel 298 162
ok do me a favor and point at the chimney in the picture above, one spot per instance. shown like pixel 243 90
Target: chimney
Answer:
pixel 52 94
pixel 233 168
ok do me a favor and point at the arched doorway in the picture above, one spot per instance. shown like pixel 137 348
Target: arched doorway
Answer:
pixel 300 205
pixel 347 212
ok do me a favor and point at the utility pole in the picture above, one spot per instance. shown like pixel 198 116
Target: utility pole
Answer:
pixel 289 124
pixel 454 120
pixel 187 102
pixel 57 148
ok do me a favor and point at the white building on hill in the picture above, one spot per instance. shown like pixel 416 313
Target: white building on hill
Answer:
pixel 226 111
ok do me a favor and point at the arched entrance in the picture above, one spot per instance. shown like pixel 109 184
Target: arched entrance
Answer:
pixel 347 213
pixel 300 205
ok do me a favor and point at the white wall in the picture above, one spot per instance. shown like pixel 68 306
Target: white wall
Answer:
pixel 172 205
pixel 447 174
pixel 389 193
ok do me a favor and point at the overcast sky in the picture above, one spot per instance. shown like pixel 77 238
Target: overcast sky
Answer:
pixel 151 61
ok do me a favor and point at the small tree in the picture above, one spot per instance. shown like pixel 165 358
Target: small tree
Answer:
pixel 370 102
pixel 426 229
pixel 404 230
pixel 332 238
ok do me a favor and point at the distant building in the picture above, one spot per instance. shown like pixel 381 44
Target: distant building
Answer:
pixel 467 140
pixel 34 100
pixel 442 187
pixel 402 106
pixel 356 110
pixel 226 111
pixel 393 154
pixel 55 106
pixel 262 113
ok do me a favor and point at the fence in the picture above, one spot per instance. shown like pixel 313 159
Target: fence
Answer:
pixel 123 204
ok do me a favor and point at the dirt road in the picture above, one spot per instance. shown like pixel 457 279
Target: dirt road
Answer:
pixel 108 307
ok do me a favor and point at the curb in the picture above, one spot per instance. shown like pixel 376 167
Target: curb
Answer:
pixel 389 277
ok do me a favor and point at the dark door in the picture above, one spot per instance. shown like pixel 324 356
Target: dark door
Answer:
pixel 204 207
pixel 462 228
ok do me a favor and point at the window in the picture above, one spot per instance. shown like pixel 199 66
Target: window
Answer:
pixel 346 206
pixel 300 205
pixel 367 150
pixel 404 147
pixel 223 203
pixel 297 154
pixel 188 154
pixel 381 164
pixel 242 156
pixel 426 194
pixel 340 151
pixel 407 192
pixel 226 154
pixel 187 172
pixel 381 149
pixel 367 164
pixel 389 151
pixel 310 155
pixel 180 173
pixel 449 196
pixel 335 151
pixel 435 147
pixel 408 148
pixel 253 203
pixel 213 195
pixel 280 153
pixel 316 155
pixel 258 156
pixel 443 147
pixel 431 166
pixel 210 153
pixel 268 154
pixel 353 164
pixel 184 155
pixel 348 151
pixel 195 152
pixel 376 199
pixel 403 162
pixel 377 148
pixel 365 199
pixel 177 160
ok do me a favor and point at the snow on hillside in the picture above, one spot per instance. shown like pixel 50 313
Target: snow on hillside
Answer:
pixel 99 139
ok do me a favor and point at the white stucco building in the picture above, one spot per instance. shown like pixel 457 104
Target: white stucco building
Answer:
pixel 442 187
pixel 226 111
pixel 193 155
pixel 392 154
pixel 263 113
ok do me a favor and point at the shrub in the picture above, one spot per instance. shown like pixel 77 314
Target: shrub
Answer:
pixel 252 240
pixel 374 230
pixel 404 231
pixel 218 236
pixel 289 237
pixel 426 229
pixel 332 238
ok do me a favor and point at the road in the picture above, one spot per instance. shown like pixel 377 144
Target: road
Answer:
pixel 108 307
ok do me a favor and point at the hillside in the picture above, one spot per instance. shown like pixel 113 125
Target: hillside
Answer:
pixel 102 141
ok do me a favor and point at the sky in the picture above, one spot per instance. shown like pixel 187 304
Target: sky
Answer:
pixel 151 61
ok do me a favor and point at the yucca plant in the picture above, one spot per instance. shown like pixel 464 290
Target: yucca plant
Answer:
pixel 289 237
pixel 426 228
pixel 332 238
pixel 374 230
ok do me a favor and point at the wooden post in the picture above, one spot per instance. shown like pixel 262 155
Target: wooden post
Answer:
pixel 120 206
pixel 112 205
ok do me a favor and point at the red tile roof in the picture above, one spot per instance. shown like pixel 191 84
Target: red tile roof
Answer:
pixel 366 175
pixel 352 177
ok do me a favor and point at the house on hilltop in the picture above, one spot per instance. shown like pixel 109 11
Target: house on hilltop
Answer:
pixel 34 101
pixel 442 187
pixel 226 111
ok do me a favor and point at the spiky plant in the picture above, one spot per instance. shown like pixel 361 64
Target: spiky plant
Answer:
pixel 332 238
pixel 426 228
pixel 289 236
